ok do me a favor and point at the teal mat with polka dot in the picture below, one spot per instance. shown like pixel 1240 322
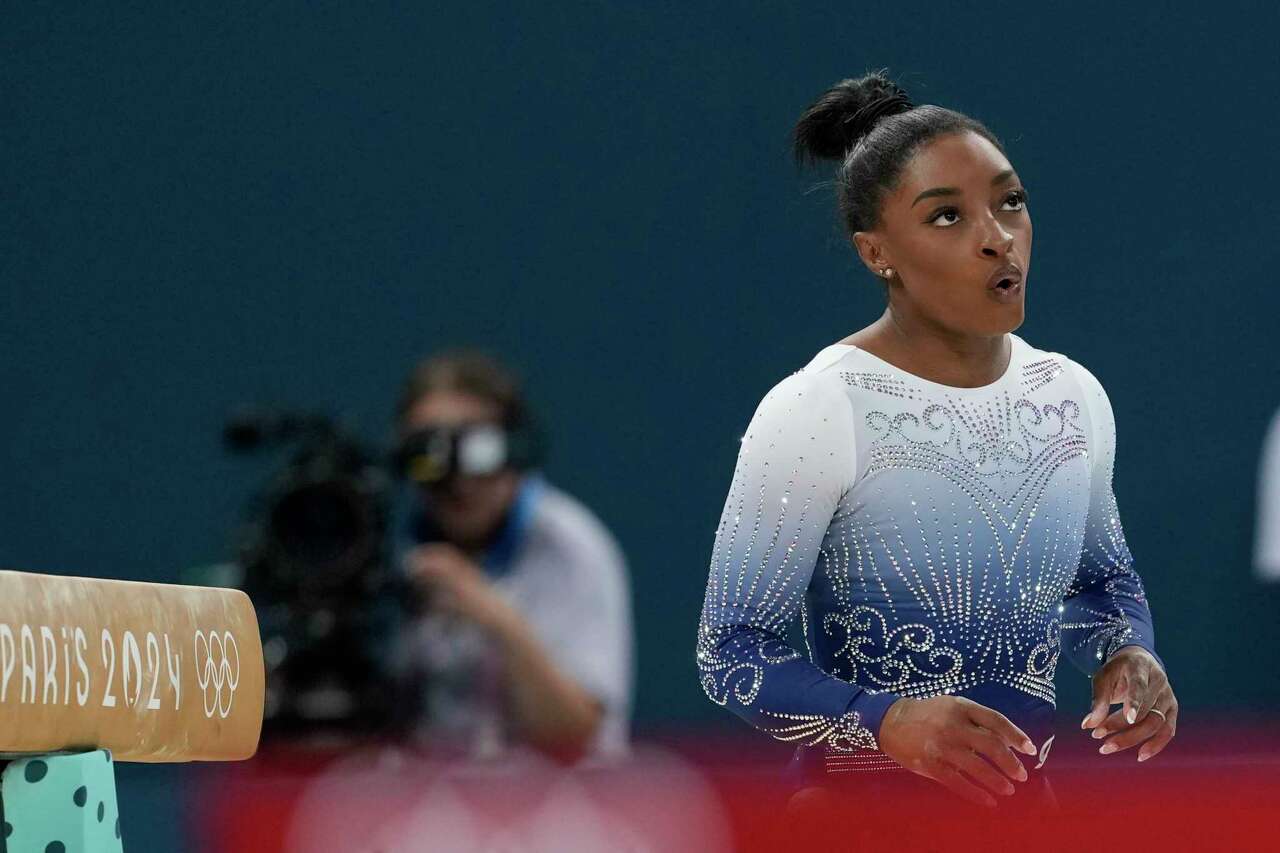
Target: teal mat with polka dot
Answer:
pixel 61 804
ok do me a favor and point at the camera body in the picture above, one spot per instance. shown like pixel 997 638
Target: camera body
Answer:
pixel 316 565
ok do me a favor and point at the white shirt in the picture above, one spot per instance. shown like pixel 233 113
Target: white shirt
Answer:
pixel 567 577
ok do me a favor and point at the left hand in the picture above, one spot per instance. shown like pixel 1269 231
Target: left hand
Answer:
pixel 1149 711
pixel 457 585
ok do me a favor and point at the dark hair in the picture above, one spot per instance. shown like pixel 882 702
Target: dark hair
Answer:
pixel 871 127
pixel 469 372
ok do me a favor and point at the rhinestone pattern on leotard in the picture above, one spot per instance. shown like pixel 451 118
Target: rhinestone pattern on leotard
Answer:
pixel 933 539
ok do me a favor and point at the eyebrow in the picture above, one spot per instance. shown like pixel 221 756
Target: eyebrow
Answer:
pixel 997 180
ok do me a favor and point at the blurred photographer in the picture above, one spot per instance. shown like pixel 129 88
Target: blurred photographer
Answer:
pixel 522 633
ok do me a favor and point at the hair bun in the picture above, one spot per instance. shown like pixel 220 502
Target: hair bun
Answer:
pixel 845 113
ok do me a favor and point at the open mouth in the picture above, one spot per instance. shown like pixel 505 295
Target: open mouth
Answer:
pixel 1006 281
pixel 1008 287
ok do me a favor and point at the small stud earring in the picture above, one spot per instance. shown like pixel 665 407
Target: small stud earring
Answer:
pixel 887 272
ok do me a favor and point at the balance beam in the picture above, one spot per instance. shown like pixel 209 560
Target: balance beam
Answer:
pixel 153 672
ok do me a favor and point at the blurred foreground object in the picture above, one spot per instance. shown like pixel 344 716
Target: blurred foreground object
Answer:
pixel 709 792
pixel 1266 555
pixel 401 801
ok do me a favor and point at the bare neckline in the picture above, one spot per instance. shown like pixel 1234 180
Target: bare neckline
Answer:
pixel 1014 346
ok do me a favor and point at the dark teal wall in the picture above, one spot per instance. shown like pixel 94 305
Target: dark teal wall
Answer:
pixel 292 202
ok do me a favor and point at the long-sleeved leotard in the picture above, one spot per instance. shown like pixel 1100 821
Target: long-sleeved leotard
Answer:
pixel 932 539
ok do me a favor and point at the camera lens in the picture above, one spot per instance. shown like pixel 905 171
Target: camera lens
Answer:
pixel 323 530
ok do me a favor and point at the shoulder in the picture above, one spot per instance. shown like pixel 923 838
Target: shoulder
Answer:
pixel 803 427
pixel 814 394
pixel 1093 395
pixel 564 526
pixel 1273 431
pixel 1099 418
pixel 1040 367
pixel 1089 383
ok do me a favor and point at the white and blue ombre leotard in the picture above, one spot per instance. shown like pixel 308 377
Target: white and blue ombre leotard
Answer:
pixel 933 539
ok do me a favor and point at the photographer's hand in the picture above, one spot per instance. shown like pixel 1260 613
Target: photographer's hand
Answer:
pixel 556 713
pixel 457 585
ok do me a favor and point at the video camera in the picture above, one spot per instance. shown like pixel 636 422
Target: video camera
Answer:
pixel 315 563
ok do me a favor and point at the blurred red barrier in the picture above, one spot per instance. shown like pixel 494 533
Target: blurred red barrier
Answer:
pixel 1213 789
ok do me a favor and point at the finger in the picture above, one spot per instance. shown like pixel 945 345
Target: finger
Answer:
pixel 1133 735
pixel 981 772
pixel 1156 745
pixel 427 572
pixel 951 779
pixel 1157 684
pixel 1135 695
pixel 1162 737
pixel 1105 684
pixel 422 558
pixel 1000 726
pixel 423 577
pixel 1119 688
pixel 985 743
pixel 1112 724
pixel 1157 696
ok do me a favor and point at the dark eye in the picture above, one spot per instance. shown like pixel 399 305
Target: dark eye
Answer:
pixel 946 211
pixel 1018 198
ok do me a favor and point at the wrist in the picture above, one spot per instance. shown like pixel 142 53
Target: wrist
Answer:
pixel 1136 650
pixel 890 718
pixel 503 623
pixel 881 711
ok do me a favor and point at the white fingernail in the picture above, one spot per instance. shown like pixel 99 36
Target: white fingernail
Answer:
pixel 1131 716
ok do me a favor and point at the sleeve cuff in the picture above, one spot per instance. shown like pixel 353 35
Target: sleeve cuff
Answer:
pixel 871 707
pixel 1145 646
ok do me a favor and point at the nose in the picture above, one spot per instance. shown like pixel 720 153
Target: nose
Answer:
pixel 996 240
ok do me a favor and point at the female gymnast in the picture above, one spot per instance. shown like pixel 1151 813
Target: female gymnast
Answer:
pixel 932 495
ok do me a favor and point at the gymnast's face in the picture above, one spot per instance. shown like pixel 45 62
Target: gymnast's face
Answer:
pixel 956 219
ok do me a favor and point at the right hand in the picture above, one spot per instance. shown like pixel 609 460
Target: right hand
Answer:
pixel 943 736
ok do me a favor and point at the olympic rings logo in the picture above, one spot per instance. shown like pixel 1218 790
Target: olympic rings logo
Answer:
pixel 214 671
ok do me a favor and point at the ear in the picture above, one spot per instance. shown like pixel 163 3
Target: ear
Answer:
pixel 870 248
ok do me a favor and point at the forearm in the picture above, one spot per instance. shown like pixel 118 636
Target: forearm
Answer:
pixel 1104 616
pixel 555 713
pixel 1106 607
pixel 795 463
pixel 757 675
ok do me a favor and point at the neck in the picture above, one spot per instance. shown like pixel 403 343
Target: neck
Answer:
pixel 933 352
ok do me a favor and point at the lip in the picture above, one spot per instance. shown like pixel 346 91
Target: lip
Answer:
pixel 1010 271
pixel 1007 296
